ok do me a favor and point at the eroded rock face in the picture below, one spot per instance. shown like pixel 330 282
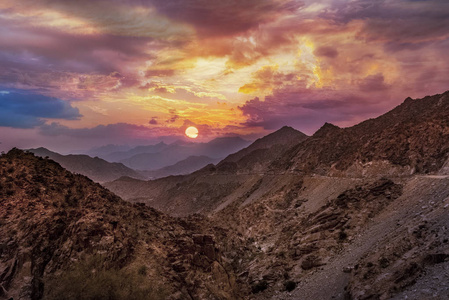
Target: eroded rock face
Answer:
pixel 54 223
pixel 390 268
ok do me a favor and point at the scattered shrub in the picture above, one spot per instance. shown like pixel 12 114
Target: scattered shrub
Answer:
pixel 342 235
pixel 142 270
pixel 290 285
pixel 259 286
pixel 383 262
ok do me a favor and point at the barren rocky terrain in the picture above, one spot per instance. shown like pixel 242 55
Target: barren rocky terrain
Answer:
pixel 63 236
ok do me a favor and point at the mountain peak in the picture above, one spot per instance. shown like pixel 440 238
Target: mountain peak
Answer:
pixel 326 129
pixel 408 100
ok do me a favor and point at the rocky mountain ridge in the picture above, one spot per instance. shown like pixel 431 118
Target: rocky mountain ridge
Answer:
pixel 63 236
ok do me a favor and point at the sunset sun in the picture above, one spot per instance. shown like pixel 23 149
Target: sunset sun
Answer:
pixel 192 132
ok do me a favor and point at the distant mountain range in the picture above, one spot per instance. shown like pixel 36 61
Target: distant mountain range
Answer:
pixel 183 167
pixel 146 162
pixel 95 168
pixel 161 155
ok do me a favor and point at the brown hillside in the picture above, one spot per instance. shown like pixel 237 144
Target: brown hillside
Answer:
pixel 63 236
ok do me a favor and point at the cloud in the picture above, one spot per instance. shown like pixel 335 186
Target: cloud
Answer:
pixel 307 110
pixel 326 51
pixel 224 18
pixel 153 121
pixel 117 130
pixel 173 116
pixel 373 83
pixel 395 23
pixel 22 109
pixel 265 79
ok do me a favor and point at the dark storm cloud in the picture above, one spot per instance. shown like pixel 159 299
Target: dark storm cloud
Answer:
pixel 20 109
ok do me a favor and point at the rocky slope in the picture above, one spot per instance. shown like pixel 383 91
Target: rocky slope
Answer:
pixel 95 168
pixel 265 149
pixel 412 138
pixel 63 236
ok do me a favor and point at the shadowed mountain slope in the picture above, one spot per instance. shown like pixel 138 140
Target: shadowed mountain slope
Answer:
pixel 183 167
pixel 95 168
pixel 63 236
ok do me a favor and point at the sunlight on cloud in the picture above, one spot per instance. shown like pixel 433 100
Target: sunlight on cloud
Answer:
pixel 309 64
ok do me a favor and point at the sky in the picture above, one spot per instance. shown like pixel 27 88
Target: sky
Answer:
pixel 86 73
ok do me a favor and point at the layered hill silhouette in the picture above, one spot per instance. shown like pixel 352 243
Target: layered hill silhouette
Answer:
pixel 95 168
pixel 183 167
pixel 361 208
pixel 161 155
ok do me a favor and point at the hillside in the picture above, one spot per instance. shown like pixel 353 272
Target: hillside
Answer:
pixel 411 138
pixel 96 168
pixel 63 236
pixel 286 137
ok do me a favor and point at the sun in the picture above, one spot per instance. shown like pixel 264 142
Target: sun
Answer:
pixel 192 132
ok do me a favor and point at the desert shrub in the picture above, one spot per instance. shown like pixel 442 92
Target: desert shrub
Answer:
pixel 384 263
pixel 90 280
pixel 70 199
pixel 289 285
pixel 259 286
pixel 142 270
pixel 342 235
